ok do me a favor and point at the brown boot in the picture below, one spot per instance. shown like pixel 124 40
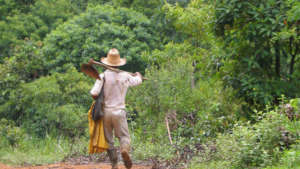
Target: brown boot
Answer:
pixel 125 155
pixel 113 157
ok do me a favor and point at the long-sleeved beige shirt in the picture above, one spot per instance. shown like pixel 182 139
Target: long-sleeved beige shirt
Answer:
pixel 115 88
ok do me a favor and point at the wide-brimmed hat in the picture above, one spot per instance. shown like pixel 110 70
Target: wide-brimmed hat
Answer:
pixel 113 58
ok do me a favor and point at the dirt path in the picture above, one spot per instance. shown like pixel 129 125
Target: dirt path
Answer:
pixel 73 166
pixel 82 162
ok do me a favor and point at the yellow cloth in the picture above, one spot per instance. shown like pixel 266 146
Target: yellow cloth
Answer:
pixel 98 142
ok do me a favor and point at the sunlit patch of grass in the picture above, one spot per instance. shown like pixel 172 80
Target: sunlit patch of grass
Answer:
pixel 34 151
pixel 210 165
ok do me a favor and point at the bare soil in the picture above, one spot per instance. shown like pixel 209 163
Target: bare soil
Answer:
pixel 76 166
pixel 81 162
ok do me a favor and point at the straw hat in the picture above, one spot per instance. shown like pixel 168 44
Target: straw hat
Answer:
pixel 113 58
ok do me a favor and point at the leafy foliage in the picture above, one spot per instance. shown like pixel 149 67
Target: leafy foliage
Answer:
pixel 25 66
pixel 93 33
pixel 257 145
pixel 11 7
pixel 41 17
pixel 262 46
pixel 10 134
pixel 194 23
pixel 194 112
pixel 290 159
pixel 49 104
pixel 212 66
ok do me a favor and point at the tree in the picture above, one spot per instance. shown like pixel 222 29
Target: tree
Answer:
pixel 194 24
pixel 12 7
pixel 94 32
pixel 34 23
pixel 262 44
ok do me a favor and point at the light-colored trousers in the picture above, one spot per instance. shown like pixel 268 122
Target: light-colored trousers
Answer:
pixel 116 122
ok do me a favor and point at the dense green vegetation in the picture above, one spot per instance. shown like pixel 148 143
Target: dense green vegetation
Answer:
pixel 225 74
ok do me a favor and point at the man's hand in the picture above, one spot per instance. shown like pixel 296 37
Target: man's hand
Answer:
pixel 138 74
pixel 94 97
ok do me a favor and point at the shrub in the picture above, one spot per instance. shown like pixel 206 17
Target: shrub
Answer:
pixel 51 104
pixel 290 159
pixel 10 134
pixel 260 144
pixel 194 113
pixel 25 66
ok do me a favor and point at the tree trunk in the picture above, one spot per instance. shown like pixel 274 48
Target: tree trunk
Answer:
pixel 192 75
pixel 293 59
pixel 277 61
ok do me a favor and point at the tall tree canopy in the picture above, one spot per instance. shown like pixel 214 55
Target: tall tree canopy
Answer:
pixel 262 41
pixel 94 32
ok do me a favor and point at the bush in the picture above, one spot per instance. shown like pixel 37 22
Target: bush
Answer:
pixel 25 66
pixel 10 134
pixel 258 145
pixel 290 159
pixel 194 113
pixel 52 104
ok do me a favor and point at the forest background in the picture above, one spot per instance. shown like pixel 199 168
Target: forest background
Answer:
pixel 225 74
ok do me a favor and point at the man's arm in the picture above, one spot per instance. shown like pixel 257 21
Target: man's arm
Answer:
pixel 132 80
pixel 97 87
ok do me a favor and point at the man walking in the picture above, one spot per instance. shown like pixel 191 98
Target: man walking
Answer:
pixel 115 88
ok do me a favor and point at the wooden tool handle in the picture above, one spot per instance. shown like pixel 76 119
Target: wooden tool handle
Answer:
pixel 89 70
pixel 92 61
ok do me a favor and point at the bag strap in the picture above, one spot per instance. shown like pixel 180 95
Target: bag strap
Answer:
pixel 102 89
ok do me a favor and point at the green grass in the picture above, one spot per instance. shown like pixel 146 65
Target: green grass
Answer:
pixel 36 151
pixel 289 160
pixel 39 151
pixel 210 165
pixel 145 149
